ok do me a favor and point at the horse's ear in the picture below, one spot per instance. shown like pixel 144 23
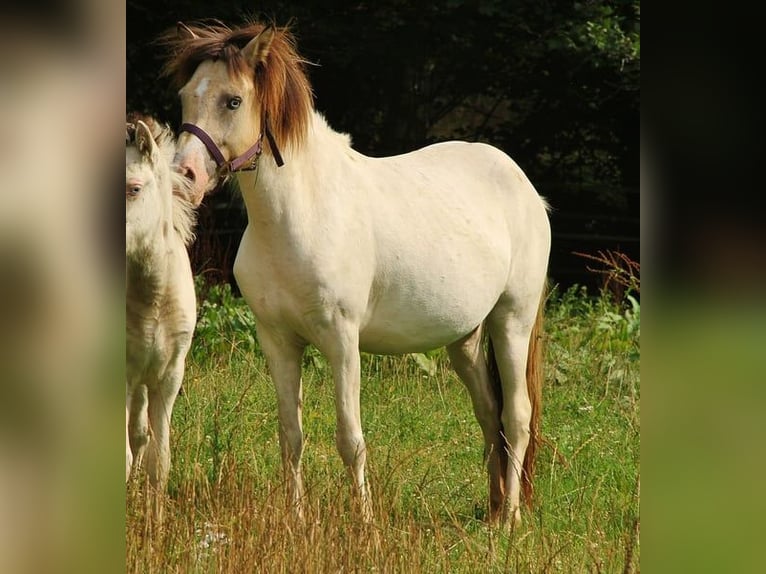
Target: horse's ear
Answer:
pixel 185 33
pixel 257 49
pixel 145 143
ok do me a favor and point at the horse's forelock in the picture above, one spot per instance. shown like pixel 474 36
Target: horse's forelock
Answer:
pixel 282 88
pixel 206 41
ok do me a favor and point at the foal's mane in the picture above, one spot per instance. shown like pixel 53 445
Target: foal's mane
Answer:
pixel 281 86
pixel 184 214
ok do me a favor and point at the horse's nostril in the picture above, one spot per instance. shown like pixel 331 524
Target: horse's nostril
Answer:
pixel 188 173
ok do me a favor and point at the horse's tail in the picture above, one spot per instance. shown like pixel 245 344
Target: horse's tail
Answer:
pixel 534 376
pixel 535 391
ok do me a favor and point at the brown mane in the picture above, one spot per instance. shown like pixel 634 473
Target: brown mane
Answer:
pixel 281 85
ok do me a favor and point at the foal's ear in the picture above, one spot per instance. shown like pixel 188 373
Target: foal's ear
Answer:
pixel 145 142
pixel 257 49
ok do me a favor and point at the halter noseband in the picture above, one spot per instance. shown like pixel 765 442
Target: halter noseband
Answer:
pixel 248 161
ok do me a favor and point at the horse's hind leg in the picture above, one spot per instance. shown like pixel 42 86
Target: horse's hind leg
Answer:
pixel 510 332
pixel 468 360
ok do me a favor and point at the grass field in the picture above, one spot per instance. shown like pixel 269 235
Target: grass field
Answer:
pixel 225 510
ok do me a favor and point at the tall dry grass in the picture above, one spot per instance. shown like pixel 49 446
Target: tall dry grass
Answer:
pixel 225 510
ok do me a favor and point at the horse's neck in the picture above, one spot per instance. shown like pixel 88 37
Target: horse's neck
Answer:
pixel 284 197
pixel 147 266
pixel 271 194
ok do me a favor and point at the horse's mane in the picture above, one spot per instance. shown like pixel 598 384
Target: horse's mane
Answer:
pixel 281 85
pixel 184 213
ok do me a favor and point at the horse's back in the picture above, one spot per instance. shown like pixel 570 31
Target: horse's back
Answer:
pixel 475 178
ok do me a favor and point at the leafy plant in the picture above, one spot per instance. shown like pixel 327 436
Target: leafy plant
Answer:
pixel 626 324
pixel 224 322
pixel 614 327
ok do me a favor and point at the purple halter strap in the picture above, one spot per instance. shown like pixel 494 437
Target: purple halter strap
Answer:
pixel 245 162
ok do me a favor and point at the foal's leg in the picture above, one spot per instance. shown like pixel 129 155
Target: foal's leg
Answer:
pixel 128 452
pixel 162 397
pixel 138 423
pixel 283 356
pixel 468 360
pixel 342 350
pixel 510 337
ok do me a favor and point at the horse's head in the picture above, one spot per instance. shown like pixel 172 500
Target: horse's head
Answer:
pixel 148 184
pixel 235 86
pixel 142 161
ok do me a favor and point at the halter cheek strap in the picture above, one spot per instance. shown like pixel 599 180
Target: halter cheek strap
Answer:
pixel 272 142
pixel 247 161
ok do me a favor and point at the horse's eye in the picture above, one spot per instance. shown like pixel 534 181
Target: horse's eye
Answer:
pixel 234 102
pixel 133 189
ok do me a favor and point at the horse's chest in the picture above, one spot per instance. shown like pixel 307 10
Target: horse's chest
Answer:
pixel 151 347
pixel 145 356
pixel 294 291
pixel 281 300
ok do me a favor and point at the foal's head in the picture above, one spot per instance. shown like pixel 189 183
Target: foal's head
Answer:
pixel 231 82
pixel 148 180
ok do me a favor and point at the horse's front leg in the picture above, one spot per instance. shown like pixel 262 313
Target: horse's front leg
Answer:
pixel 138 423
pixel 283 356
pixel 128 453
pixel 162 397
pixel 343 354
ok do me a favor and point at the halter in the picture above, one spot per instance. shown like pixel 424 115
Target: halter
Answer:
pixel 248 161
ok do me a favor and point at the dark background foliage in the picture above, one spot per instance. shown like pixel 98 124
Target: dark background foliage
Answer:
pixel 554 84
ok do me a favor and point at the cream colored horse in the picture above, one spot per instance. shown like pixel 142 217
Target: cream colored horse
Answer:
pixel 160 302
pixel 388 255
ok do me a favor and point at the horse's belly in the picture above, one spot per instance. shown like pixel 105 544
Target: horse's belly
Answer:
pixel 418 319
pixel 396 338
pixel 436 280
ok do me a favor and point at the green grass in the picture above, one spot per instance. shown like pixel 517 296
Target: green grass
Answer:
pixel 225 510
